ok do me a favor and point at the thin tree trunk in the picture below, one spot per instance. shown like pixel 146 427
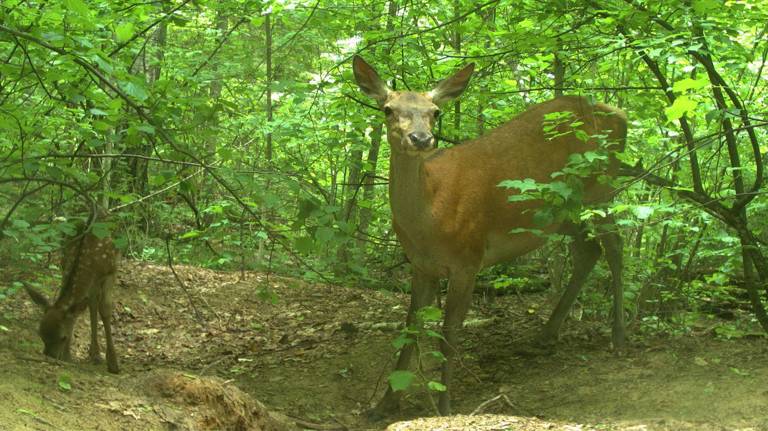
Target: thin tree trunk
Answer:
pixel 353 185
pixel 489 18
pixel 366 212
pixel 457 49
pixel 751 285
pixel 268 33
pixel 558 70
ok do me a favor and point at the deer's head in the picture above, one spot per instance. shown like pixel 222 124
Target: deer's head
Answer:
pixel 56 327
pixel 410 115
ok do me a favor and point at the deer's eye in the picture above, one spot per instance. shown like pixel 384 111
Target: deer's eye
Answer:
pixel 387 111
pixel 437 114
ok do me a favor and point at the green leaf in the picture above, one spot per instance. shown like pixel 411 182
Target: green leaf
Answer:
pixel 589 213
pixel 642 212
pixel 561 189
pixel 686 84
pixel 522 185
pixel 434 334
pixel 401 341
pixel 520 230
pixel 681 106
pixel 100 230
pixel 191 234
pixel 124 31
pixel 135 90
pixel 437 355
pixel 581 135
pixel 146 128
pixel 102 126
pixel 52 36
pixel 520 198
pixel 20 224
pixel 304 244
pixel 591 156
pixel 543 218
pixel 324 234
pixel 430 313
pixel 436 386
pixel 739 372
pixel 65 382
pixel 703 7
pixel 78 6
pixel 400 380
pixel 104 64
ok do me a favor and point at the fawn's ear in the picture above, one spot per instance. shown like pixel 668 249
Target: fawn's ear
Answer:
pixel 368 80
pixel 37 297
pixel 452 87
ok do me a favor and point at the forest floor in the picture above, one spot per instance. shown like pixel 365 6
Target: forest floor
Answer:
pixel 316 353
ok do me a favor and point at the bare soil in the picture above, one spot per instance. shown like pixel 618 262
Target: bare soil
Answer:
pixel 316 356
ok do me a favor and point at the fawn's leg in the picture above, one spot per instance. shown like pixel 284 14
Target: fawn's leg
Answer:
pixel 105 309
pixel 93 309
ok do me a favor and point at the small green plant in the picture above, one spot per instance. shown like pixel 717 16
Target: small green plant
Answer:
pixel 64 382
pixel 418 336
pixel 505 283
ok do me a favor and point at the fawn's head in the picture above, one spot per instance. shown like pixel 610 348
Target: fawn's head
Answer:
pixel 56 326
pixel 410 116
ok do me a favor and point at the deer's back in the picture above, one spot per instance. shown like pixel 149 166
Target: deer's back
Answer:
pixel 473 214
pixel 86 262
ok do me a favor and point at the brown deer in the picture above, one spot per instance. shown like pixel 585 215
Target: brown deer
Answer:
pixel 89 266
pixel 451 217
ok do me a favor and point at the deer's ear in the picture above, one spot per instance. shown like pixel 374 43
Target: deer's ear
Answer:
pixel 368 80
pixel 37 297
pixel 452 87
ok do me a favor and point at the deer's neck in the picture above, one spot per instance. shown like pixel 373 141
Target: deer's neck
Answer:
pixel 408 194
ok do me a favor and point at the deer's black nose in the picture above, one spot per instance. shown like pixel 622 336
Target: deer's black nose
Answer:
pixel 420 140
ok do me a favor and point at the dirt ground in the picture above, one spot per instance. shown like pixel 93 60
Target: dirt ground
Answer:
pixel 317 355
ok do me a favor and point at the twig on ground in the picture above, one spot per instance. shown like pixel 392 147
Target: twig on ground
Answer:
pixel 200 318
pixel 495 399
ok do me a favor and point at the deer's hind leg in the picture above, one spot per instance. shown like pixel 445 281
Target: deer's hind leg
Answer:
pixel 585 252
pixel 105 310
pixel 94 353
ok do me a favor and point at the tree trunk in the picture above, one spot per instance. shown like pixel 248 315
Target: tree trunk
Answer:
pixel 268 34
pixel 366 212
pixel 457 49
pixel 558 69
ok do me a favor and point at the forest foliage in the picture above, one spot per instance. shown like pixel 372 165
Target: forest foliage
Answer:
pixel 230 133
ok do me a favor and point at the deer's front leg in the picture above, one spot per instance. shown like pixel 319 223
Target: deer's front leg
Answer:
pixel 460 287
pixel 423 291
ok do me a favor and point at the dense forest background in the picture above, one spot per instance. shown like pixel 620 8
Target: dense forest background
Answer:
pixel 230 134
